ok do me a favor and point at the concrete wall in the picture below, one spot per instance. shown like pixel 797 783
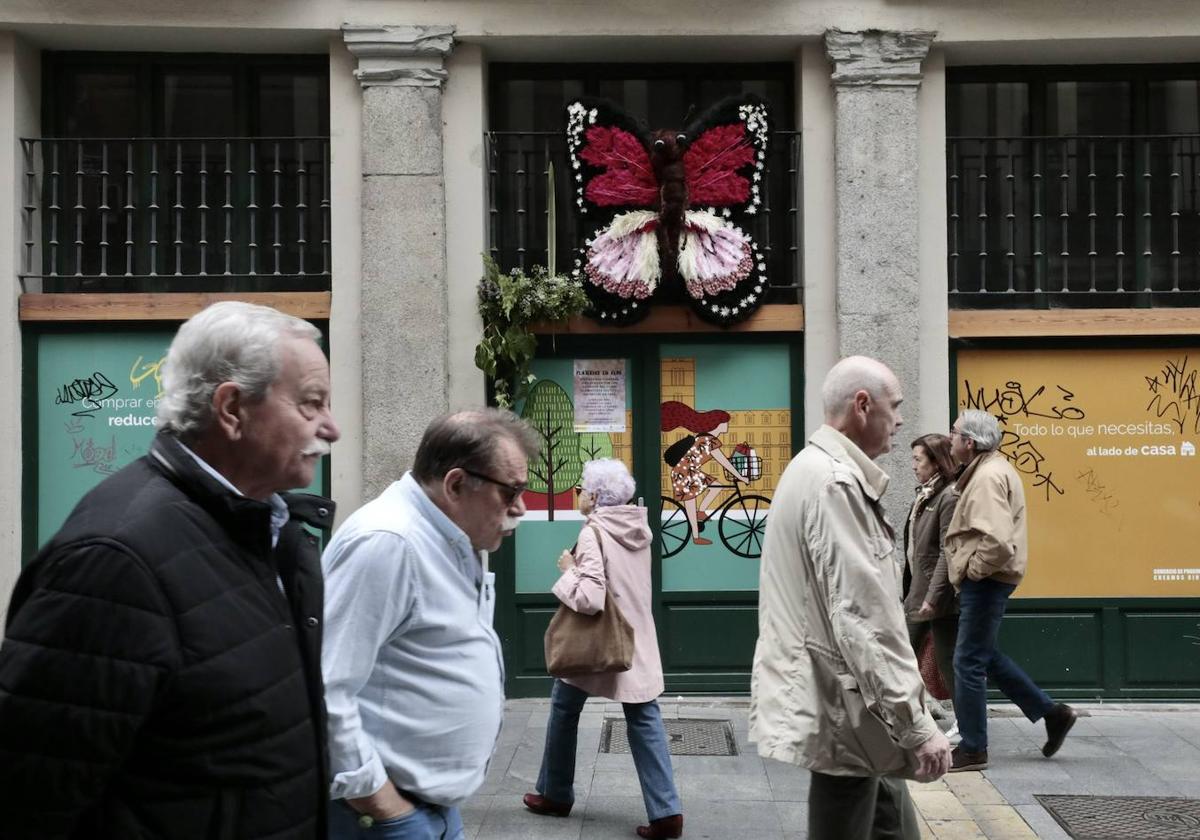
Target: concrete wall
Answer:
pixel 20 78
pixel 535 24
pixel 933 306
pixel 464 107
pixel 345 323
pixel 820 232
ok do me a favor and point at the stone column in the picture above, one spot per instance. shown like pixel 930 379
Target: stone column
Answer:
pixel 875 80
pixel 405 341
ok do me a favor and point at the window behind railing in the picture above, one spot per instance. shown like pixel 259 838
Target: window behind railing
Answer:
pixel 177 214
pixel 1072 187
pixel 179 173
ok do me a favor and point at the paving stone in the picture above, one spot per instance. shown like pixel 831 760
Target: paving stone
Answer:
pixel 956 830
pixel 973 789
pixel 939 805
pixel 793 817
pixel 1042 823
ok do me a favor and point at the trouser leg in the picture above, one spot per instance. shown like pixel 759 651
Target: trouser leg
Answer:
pixel 652 758
pixel 895 816
pixel 556 779
pixel 981 608
pixel 841 807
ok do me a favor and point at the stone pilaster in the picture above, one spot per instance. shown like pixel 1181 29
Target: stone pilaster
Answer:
pixel 405 345
pixel 875 80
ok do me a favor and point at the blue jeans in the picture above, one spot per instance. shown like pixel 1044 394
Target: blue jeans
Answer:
pixel 425 822
pixel 647 742
pixel 981 607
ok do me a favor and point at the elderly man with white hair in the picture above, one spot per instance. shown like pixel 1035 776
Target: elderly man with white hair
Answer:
pixel 160 674
pixel 835 686
pixel 987 549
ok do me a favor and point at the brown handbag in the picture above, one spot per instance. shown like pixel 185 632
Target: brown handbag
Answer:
pixel 578 644
pixel 930 673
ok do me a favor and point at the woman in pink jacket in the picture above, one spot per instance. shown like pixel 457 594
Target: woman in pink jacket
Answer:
pixel 624 540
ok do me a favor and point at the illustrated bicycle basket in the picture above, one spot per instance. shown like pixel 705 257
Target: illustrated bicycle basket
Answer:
pixel 746 461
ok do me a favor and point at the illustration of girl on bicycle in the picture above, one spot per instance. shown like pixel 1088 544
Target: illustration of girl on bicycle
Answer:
pixel 687 458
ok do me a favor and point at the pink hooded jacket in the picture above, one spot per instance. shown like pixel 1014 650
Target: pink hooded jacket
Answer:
pixel 626 544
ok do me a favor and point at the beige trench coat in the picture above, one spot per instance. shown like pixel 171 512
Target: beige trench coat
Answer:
pixel 835 686
pixel 626 544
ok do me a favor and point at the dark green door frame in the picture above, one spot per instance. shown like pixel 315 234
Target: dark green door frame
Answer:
pixel 522 639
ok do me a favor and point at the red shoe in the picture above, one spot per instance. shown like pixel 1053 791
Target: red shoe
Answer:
pixel 700 541
pixel 548 807
pixel 666 827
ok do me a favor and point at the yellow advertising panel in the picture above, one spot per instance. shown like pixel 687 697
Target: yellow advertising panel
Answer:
pixel 1105 441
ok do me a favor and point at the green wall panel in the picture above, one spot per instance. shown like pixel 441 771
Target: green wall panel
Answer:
pixel 1055 649
pixel 1162 649
pixel 538 545
pixel 728 634
pixel 531 634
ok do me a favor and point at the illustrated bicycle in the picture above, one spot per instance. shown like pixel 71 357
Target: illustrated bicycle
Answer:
pixel 741 522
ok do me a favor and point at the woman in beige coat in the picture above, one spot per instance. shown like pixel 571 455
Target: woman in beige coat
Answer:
pixel 616 534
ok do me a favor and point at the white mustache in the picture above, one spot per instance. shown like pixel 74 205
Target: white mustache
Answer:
pixel 317 447
pixel 510 523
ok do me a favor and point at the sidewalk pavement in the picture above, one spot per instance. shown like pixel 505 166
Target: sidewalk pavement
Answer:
pixel 1114 749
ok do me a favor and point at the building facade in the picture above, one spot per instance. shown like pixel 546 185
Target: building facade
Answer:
pixel 1000 201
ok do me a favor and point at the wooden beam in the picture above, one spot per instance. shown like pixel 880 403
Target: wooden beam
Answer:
pixel 775 317
pixel 168 306
pixel 1048 323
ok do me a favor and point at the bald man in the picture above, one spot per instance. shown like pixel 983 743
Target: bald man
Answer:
pixel 835 686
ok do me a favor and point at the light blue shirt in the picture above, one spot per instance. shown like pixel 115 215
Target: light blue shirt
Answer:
pixel 414 675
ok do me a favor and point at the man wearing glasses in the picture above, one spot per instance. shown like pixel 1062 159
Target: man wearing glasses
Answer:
pixel 414 675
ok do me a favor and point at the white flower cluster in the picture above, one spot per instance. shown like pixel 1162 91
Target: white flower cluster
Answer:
pixel 755 117
pixel 578 118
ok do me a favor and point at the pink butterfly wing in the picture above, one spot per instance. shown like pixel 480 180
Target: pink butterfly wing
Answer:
pixel 628 178
pixel 712 163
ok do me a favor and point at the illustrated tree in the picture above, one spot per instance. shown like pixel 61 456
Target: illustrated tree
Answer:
pixel 593 445
pixel 549 410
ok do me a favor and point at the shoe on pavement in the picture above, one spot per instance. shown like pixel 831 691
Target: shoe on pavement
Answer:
pixel 1059 721
pixel 667 827
pixel 961 760
pixel 548 807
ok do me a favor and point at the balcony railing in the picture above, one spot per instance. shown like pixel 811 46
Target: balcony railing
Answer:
pixel 522 166
pixel 176 214
pixel 1110 221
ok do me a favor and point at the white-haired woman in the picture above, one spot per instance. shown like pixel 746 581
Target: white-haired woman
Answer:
pixel 624 545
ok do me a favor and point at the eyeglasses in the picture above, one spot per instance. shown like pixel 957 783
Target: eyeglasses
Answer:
pixel 514 490
pixel 954 432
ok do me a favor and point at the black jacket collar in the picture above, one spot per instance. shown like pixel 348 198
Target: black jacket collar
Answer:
pixel 248 520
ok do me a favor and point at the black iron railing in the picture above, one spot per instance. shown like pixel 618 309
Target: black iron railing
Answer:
pixel 523 165
pixel 1085 220
pixel 176 214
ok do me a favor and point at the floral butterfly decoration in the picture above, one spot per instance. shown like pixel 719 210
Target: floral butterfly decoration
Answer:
pixel 662 209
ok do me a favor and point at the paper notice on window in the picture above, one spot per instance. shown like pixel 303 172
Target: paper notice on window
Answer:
pixel 599 395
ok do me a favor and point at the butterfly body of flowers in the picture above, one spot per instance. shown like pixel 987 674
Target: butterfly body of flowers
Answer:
pixel 661 209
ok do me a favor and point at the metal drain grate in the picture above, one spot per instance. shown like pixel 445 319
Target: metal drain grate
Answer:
pixel 684 737
pixel 1125 817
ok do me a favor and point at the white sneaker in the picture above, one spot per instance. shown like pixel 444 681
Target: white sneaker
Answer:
pixel 953 736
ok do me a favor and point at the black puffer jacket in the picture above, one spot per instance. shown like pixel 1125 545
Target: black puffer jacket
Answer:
pixel 154 681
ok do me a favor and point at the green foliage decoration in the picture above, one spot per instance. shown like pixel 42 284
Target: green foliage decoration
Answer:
pixel 509 304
